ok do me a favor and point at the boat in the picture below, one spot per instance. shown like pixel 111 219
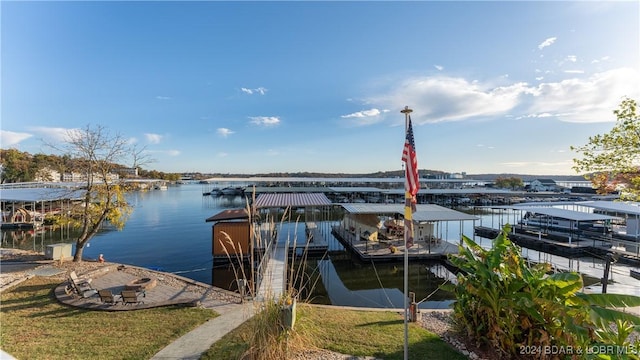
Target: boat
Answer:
pixel 232 190
pixel 160 187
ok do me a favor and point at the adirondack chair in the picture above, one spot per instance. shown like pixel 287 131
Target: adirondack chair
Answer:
pixel 80 286
pixel 107 297
pixel 78 280
pixel 130 297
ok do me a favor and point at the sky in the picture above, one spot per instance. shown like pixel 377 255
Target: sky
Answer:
pixel 295 86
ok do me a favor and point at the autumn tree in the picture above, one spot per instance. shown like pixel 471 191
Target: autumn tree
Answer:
pixel 97 153
pixel 16 166
pixel 611 161
pixel 509 182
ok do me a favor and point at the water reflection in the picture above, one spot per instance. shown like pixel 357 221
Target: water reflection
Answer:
pixel 352 283
pixel 37 239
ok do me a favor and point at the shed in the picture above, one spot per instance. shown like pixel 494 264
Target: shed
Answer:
pixel 231 233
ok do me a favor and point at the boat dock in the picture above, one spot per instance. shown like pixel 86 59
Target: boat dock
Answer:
pixel 541 242
pixel 381 250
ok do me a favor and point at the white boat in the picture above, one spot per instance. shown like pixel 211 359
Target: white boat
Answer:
pixel 232 191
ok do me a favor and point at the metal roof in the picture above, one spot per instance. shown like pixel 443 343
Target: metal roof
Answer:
pixel 351 189
pixel 632 208
pixel 424 212
pixel 291 199
pixel 40 194
pixel 231 214
pixel 465 191
pixel 567 214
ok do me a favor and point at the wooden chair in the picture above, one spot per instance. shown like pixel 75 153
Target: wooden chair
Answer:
pixel 83 289
pixel 78 281
pixel 107 297
pixel 130 297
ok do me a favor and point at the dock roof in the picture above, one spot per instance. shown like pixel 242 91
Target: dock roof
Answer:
pixel 631 208
pixel 40 194
pixel 424 212
pixel 273 200
pixel 231 214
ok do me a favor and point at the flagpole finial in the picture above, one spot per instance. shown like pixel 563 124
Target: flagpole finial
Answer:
pixel 406 110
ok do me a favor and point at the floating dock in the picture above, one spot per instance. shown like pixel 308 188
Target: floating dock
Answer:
pixel 381 250
pixel 552 245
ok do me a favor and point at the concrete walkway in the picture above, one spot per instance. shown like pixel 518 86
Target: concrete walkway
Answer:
pixel 193 344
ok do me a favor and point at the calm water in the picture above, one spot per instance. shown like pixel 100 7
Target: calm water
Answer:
pixel 167 230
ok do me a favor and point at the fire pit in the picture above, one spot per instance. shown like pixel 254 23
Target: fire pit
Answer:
pixel 141 284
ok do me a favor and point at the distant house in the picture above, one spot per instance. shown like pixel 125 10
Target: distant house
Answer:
pixel 132 172
pixel 543 185
pixel 47 175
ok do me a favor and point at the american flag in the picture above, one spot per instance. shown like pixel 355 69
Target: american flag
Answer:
pixel 411 183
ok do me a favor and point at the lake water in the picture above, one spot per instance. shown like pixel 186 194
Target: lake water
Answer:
pixel 167 231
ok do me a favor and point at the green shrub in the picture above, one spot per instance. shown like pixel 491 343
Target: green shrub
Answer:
pixel 524 310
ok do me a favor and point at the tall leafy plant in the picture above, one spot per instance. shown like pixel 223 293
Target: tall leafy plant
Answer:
pixel 522 309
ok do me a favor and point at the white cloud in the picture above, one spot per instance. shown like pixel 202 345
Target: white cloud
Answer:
pixel 574 71
pixel 485 146
pixel 439 67
pixel 441 98
pixel 10 138
pixel 160 97
pixel 258 90
pixel 585 100
pixel 265 120
pixel 362 114
pixel 547 42
pixel 365 117
pixel 602 59
pixel 153 138
pixel 224 132
pixel 222 154
pixel 53 133
pixel 572 58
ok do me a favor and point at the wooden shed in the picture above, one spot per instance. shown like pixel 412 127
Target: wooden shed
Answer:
pixel 231 231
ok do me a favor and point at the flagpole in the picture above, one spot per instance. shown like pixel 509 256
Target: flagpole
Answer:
pixel 406 113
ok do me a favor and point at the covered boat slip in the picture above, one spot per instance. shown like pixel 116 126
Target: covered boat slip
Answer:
pixel 271 241
pixel 601 225
pixel 27 207
pixel 374 231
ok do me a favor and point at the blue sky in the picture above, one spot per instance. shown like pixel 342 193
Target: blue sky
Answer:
pixel 256 87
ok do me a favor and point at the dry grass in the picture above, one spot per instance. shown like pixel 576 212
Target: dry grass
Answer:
pixel 36 326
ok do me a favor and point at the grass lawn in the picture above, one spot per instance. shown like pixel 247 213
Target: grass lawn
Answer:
pixel 34 325
pixel 360 333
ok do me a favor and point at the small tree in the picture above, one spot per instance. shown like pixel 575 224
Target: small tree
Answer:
pixel 98 154
pixel 509 183
pixel 612 160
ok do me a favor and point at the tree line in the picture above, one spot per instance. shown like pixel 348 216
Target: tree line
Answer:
pixel 21 166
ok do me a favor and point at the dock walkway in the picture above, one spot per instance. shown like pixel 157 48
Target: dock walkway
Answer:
pixel 273 282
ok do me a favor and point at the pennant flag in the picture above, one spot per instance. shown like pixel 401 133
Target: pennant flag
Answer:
pixel 409 208
pixel 411 183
